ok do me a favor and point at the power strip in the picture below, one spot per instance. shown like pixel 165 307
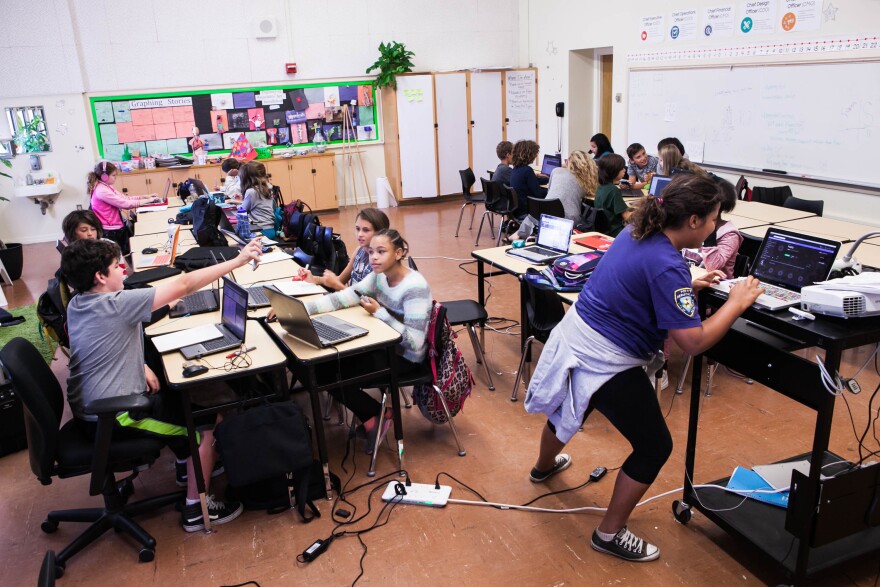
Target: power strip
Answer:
pixel 418 494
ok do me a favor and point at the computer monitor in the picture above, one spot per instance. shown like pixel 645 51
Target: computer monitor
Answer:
pixel 550 163
pixel 658 182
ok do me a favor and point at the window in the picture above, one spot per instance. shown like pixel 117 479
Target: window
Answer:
pixel 27 125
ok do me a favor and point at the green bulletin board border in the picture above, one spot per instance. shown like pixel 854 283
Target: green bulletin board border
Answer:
pixel 121 97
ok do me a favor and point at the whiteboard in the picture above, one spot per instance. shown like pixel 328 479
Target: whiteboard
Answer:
pixel 521 106
pixel 810 120
pixel 488 121
pixel 450 91
pixel 415 121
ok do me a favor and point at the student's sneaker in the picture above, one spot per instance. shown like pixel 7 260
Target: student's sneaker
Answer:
pixel 219 512
pixel 627 546
pixel 181 474
pixel 563 461
pixel 664 380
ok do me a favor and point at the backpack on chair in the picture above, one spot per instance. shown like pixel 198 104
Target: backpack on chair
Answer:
pixel 452 377
pixel 206 219
pixel 52 313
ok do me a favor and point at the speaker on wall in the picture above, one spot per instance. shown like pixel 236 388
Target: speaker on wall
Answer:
pixel 560 109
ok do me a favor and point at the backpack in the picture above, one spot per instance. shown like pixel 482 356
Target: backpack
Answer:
pixel 206 219
pixel 587 221
pixel 52 312
pixel 274 495
pixel 742 189
pixel 451 375
pixel 567 274
pixel 201 257
pixel 294 220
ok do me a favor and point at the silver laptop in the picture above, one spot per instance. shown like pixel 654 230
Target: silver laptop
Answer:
pixel 785 263
pixel 320 332
pixel 554 238
pixel 233 320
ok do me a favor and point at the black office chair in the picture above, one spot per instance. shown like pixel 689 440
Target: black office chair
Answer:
pixel 538 206
pixel 467 182
pixel 63 451
pixel 813 206
pixel 500 201
pixel 545 310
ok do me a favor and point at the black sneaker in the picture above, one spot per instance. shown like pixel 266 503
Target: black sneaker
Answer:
pixel 563 461
pixel 627 546
pixel 181 474
pixel 220 512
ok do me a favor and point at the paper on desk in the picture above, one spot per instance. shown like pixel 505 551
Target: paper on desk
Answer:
pixel 299 288
pixel 182 338
pixel 867 282
pixel 275 256
pixel 155 208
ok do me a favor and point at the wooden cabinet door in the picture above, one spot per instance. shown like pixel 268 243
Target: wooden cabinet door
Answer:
pixel 325 183
pixel 133 184
pixel 156 181
pixel 303 184
pixel 209 175
pixel 178 176
pixel 279 175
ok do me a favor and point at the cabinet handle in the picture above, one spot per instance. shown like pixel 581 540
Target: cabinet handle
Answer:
pixel 314 171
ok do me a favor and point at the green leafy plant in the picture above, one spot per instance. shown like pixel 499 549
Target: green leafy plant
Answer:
pixel 31 136
pixel 393 59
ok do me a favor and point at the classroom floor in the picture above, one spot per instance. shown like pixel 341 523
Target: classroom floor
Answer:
pixel 740 425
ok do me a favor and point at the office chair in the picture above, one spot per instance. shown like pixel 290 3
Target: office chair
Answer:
pixel 500 201
pixel 813 206
pixel 544 310
pixel 467 182
pixel 64 451
pixel 538 206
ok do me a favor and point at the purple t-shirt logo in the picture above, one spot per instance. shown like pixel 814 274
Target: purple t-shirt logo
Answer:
pixel 684 299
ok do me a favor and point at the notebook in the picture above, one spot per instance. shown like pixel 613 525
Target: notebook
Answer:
pixel 233 320
pixel 600 242
pixel 320 332
pixel 554 238
pixel 199 302
pixel 549 163
pixel 161 259
pixel 658 182
pixel 786 262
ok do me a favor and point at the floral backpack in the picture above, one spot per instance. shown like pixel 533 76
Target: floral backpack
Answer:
pixel 452 377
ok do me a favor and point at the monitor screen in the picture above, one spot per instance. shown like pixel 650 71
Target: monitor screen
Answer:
pixel 554 232
pixel 234 314
pixel 550 163
pixel 794 261
pixel 658 182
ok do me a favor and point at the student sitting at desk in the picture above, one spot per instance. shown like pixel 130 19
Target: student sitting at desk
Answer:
pixel 368 222
pixel 641 166
pixel 108 203
pixel 258 198
pixel 600 146
pixel 608 197
pixel 504 151
pixel 523 179
pixel 672 162
pixel 672 141
pixel 231 183
pixel 595 358
pixel 398 296
pixel 107 355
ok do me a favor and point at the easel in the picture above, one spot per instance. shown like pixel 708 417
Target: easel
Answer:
pixel 350 148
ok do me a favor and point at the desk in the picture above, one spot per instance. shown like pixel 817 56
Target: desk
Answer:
pixel 154 222
pixel 246 275
pixel 761 232
pixel 777 532
pixel 868 254
pixel 768 212
pixel 302 359
pixel 743 222
pixel 838 229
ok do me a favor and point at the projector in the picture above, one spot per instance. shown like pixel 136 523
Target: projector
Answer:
pixel 843 304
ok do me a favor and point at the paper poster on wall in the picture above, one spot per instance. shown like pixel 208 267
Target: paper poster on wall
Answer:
pixel 166 131
pixel 800 15
pixel 757 17
pixel 104 112
pixel 222 101
pixel 177 146
pixel 683 25
pixel 269 97
pixel 157 147
pixel 694 150
pixel 669 112
pixel 652 29
pixel 108 134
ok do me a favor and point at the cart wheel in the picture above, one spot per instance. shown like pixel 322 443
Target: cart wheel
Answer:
pixel 681 511
pixel 59 570
pixel 146 555
pixel 49 527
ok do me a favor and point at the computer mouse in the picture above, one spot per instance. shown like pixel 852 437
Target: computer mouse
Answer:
pixel 150 251
pixel 194 369
pixel 267 249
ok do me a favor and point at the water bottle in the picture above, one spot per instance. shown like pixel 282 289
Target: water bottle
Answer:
pixel 193 195
pixel 243 226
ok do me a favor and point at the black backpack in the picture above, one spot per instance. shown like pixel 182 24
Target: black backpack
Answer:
pixel 206 219
pixel 201 257
pixel 52 311
pixel 587 221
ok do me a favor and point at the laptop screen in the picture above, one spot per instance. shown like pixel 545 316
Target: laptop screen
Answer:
pixel 234 314
pixel 658 182
pixel 555 232
pixel 792 260
pixel 550 163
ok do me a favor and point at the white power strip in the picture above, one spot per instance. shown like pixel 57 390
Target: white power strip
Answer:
pixel 418 494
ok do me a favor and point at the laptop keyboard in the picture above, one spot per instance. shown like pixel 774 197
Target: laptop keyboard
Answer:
pixel 218 343
pixel 544 251
pixel 202 301
pixel 161 259
pixel 778 293
pixel 328 333
pixel 257 297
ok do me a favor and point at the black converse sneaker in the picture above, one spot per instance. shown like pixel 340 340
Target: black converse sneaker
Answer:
pixel 563 461
pixel 627 546
pixel 219 512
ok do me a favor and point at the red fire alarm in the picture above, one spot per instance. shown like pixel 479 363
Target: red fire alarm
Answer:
pixel 290 67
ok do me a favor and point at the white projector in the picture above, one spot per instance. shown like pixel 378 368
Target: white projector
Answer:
pixel 843 304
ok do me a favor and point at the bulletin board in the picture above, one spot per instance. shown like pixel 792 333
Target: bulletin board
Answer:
pixel 271 116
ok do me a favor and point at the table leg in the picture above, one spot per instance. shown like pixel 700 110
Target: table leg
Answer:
pixel 481 286
pixel 524 330
pixel 395 406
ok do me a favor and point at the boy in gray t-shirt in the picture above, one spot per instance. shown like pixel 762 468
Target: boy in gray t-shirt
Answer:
pixel 104 323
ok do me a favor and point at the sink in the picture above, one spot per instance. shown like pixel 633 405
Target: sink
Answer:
pixel 37 190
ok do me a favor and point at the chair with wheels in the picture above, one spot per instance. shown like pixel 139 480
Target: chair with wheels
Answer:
pixel 64 451
pixel 545 310
pixel 467 182
pixel 813 206
pixel 501 200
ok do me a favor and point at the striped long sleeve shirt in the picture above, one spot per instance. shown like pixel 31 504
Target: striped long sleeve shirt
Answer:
pixel 406 308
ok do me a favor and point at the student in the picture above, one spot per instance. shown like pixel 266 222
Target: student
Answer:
pixel 232 184
pixel 600 146
pixel 722 255
pixel 258 199
pixel 671 162
pixel 594 359
pixel 107 354
pixel 108 203
pixel 398 296
pixel 672 141
pixel 608 197
pixel 641 166
pixel 504 150
pixel 81 224
pixel 523 179
pixel 368 222
pixel 571 184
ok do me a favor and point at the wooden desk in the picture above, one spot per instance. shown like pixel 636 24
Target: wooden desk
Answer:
pixel 303 358
pixel 838 229
pixel 767 212
pixel 867 253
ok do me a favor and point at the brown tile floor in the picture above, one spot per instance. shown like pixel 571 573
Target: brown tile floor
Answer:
pixel 740 424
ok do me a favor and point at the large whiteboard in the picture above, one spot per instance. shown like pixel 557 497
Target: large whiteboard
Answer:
pixel 813 120
pixel 450 90
pixel 520 105
pixel 487 120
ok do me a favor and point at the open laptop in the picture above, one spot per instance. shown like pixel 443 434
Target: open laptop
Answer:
pixel 658 182
pixel 320 332
pixel 233 320
pixel 199 302
pixel 549 163
pixel 161 259
pixel 554 238
pixel 158 206
pixel 786 262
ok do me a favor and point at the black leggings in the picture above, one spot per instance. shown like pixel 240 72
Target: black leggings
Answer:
pixel 629 401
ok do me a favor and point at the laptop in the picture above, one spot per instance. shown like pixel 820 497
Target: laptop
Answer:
pixel 199 302
pixel 161 259
pixel 158 206
pixel 549 163
pixel 320 332
pixel 233 320
pixel 658 182
pixel 554 238
pixel 786 262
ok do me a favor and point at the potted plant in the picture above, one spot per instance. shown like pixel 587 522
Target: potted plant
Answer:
pixel 31 136
pixel 393 59
pixel 11 254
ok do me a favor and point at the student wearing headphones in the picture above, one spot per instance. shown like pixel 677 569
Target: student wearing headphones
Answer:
pixel 595 359
pixel 108 203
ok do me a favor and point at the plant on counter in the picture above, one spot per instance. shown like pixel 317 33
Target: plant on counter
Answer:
pixel 393 59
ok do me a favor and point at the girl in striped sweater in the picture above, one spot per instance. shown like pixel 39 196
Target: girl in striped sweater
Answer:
pixel 398 296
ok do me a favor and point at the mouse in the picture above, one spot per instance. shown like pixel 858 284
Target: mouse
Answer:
pixel 194 369
pixel 150 251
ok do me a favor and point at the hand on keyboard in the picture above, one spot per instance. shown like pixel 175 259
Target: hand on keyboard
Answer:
pixel 744 293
